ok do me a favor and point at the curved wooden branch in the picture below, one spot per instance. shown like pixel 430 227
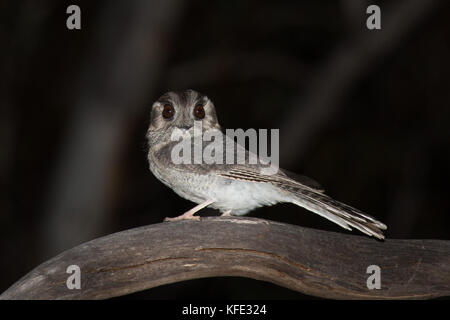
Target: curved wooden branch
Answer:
pixel 318 263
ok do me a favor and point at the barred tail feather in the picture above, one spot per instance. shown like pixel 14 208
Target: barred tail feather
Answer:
pixel 338 212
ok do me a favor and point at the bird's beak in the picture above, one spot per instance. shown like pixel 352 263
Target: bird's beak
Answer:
pixel 184 129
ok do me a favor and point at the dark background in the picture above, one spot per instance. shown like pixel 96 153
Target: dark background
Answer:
pixel 365 113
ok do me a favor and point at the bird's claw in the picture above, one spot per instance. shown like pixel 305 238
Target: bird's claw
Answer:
pixel 179 218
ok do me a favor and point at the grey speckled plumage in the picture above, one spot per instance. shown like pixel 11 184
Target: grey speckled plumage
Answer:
pixel 234 188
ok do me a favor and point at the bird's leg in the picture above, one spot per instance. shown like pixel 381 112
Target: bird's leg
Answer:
pixel 189 215
pixel 226 214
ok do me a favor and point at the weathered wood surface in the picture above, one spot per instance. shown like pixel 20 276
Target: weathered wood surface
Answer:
pixel 318 263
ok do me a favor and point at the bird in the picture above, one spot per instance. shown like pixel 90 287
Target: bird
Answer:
pixel 234 189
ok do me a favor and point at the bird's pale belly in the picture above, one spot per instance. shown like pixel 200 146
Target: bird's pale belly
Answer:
pixel 228 194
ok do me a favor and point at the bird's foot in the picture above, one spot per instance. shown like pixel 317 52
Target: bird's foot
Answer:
pixel 184 216
pixel 189 215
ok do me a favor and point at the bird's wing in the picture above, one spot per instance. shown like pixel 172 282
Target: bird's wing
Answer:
pixel 246 171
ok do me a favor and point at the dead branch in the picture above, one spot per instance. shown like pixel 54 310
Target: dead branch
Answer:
pixel 314 262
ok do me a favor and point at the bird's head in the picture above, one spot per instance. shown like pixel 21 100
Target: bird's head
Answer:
pixel 180 109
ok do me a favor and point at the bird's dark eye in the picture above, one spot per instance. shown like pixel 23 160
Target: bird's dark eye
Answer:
pixel 199 111
pixel 168 111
